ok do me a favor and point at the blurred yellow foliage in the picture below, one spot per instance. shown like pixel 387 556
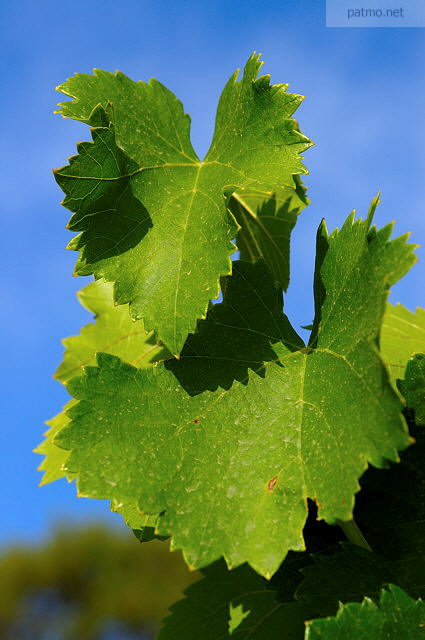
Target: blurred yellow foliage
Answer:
pixel 103 575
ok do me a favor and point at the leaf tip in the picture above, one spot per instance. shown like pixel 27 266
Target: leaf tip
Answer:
pixel 323 229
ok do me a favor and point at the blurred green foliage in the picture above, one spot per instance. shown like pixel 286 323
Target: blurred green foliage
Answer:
pixel 83 583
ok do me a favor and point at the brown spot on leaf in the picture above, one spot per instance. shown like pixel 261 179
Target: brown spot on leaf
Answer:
pixel 196 421
pixel 272 483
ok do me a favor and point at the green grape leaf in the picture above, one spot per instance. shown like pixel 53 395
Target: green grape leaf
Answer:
pixel 266 225
pixel 236 604
pixel 152 217
pixel 413 386
pixel 402 335
pixel 396 616
pixel 228 442
pixel 113 332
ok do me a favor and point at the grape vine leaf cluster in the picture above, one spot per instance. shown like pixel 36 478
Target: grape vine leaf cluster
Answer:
pixel 214 424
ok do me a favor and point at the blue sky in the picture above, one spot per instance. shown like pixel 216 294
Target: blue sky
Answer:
pixel 365 100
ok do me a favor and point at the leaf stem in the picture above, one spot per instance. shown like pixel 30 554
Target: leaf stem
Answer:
pixel 354 534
